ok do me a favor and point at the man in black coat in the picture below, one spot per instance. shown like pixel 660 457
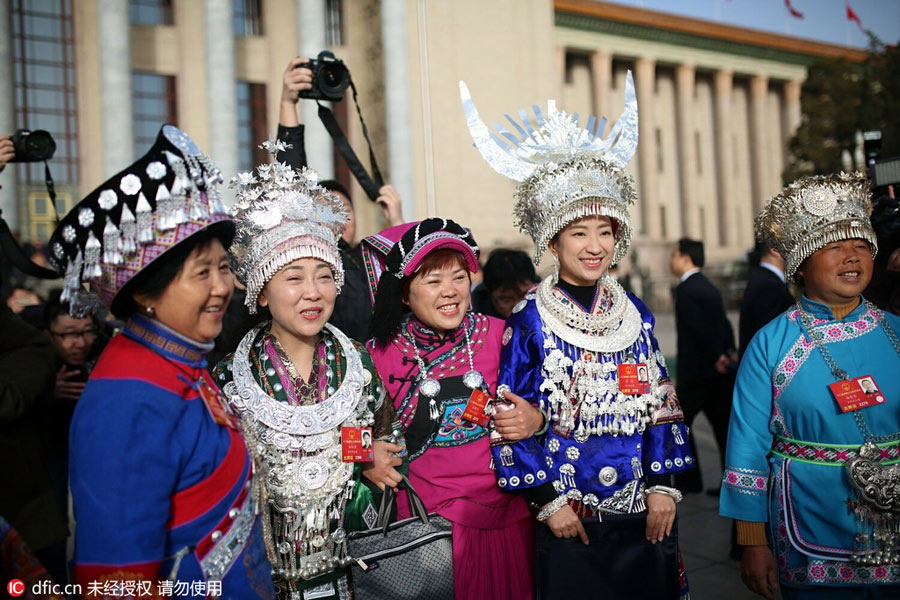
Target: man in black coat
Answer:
pixel 765 297
pixel 706 354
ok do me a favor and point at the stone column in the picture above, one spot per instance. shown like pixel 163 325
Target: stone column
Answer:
pixel 722 84
pixel 792 113
pixel 394 36
pixel 687 159
pixel 601 71
pixel 221 90
pixel 645 75
pixel 561 75
pixel 759 86
pixel 9 200
pixel 115 85
pixel 319 147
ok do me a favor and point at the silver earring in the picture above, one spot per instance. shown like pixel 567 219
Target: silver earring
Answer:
pixel 149 311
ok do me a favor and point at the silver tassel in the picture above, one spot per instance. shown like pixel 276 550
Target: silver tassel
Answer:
pixel 165 207
pixel 144 220
pixel 111 243
pixel 677 433
pixel 506 456
pixel 73 279
pixel 636 468
pixel 129 231
pixel 433 409
pixel 92 251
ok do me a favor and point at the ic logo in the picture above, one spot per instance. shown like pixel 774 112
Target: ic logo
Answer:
pixel 15 588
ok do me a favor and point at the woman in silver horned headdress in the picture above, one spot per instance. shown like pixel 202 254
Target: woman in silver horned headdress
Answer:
pixel 307 395
pixel 598 471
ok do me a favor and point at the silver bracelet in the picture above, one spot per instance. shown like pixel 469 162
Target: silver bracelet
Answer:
pixel 550 508
pixel 671 492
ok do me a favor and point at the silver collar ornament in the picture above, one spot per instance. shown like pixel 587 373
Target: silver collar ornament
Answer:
pixel 565 172
pixel 301 483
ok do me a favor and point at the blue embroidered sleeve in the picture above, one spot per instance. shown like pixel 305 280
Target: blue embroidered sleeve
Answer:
pixel 521 464
pixel 745 481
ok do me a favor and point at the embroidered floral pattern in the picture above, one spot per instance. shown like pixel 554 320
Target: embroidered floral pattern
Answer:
pixel 746 481
pixel 828 331
pixel 834 455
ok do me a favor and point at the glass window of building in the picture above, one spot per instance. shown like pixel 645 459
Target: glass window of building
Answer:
pixel 252 125
pixel 334 23
pixel 153 105
pixel 44 82
pixel 247 17
pixel 151 12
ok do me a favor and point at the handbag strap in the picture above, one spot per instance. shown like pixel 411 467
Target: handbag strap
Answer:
pixel 389 498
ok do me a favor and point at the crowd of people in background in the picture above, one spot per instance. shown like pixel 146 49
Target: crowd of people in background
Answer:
pixel 198 429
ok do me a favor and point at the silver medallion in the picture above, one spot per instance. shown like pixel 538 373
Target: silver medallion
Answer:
pixel 313 472
pixel 338 535
pixel 430 387
pixel 581 435
pixel 473 380
pixel 284 547
pixel 608 475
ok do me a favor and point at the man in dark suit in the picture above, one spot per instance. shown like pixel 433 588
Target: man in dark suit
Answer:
pixel 706 354
pixel 765 297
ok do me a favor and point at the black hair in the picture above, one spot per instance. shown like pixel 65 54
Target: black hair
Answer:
pixel 333 185
pixel 55 308
pixel 692 249
pixel 156 277
pixel 507 268
pixel 389 311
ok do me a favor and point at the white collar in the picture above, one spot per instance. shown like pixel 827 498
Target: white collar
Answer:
pixel 775 270
pixel 689 273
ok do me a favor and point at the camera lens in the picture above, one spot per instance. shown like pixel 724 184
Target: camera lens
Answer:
pixel 333 79
pixel 39 145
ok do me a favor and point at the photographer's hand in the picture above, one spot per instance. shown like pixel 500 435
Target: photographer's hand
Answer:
pixel 7 151
pixel 391 204
pixel 295 80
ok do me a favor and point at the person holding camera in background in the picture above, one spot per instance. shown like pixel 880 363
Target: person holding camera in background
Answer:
pixel 7 151
pixel 352 313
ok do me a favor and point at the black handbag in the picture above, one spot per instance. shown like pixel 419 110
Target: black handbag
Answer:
pixel 409 559
pixel 618 564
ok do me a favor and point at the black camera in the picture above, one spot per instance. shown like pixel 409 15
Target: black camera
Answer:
pixel 32 146
pixel 330 78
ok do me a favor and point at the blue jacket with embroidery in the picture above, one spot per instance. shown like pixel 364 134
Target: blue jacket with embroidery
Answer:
pixel 600 470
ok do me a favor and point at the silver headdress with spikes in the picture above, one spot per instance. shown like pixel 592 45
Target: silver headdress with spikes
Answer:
pixel 815 211
pixel 283 215
pixel 564 172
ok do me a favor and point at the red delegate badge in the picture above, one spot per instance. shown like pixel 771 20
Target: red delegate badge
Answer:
pixel 356 444
pixel 634 379
pixel 474 411
pixel 854 394
pixel 217 405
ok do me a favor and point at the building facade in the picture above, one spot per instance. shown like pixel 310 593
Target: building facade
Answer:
pixel 717 103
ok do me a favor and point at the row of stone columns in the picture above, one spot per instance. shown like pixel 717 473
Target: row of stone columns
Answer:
pixel 648 215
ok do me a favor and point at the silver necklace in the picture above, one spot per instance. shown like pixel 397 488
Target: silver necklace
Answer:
pixel 429 386
pixel 841 374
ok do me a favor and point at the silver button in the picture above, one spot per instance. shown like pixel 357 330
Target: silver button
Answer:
pixel 234 512
pixel 608 475
pixel 216 535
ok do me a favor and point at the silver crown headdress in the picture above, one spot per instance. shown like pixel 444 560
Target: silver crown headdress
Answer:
pixel 283 215
pixel 815 211
pixel 564 172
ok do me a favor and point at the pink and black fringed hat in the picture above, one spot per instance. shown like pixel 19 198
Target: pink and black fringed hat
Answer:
pixel 135 217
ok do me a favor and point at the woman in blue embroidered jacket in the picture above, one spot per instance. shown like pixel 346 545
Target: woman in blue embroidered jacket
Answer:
pixel 808 446
pixel 582 350
pixel 160 475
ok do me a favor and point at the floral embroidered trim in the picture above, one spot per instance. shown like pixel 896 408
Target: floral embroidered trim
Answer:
pixel 746 481
pixel 830 332
pixel 827 454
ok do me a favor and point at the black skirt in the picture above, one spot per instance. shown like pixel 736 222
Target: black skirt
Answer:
pixel 618 563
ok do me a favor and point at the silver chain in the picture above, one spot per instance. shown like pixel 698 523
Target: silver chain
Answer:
pixel 842 375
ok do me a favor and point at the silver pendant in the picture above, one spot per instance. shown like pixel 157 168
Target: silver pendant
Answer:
pixel 473 380
pixel 429 387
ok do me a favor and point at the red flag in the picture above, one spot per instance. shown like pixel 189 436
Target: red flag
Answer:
pixel 794 12
pixel 852 16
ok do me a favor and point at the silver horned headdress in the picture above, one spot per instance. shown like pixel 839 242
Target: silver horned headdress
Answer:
pixel 564 172
pixel 815 211
pixel 283 215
